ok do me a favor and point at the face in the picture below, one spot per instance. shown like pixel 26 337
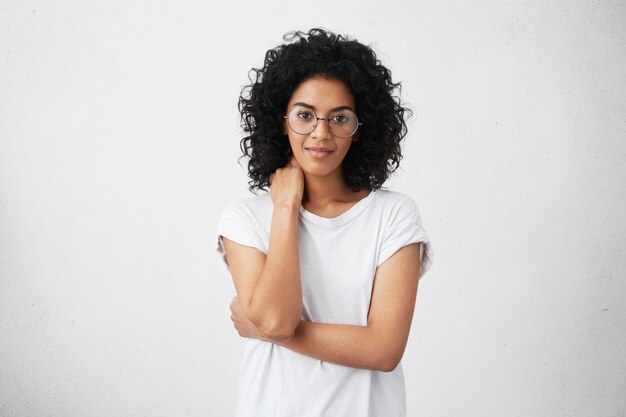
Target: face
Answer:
pixel 320 152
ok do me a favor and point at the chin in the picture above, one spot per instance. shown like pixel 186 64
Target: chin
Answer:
pixel 318 168
pixel 319 171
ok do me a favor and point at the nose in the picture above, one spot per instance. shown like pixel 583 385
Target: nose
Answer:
pixel 324 131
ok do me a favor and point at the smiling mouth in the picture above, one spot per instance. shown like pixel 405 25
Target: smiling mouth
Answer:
pixel 319 153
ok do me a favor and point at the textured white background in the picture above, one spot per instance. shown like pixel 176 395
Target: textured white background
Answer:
pixel 118 144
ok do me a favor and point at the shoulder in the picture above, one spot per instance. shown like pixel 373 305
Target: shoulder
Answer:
pixel 402 225
pixel 256 209
pixel 250 206
pixel 396 204
pixel 394 197
pixel 247 222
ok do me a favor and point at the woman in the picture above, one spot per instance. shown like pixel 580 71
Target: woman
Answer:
pixel 325 265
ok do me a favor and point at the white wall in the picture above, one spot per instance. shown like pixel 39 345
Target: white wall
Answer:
pixel 118 144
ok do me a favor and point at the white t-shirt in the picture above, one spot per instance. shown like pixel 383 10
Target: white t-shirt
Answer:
pixel 338 260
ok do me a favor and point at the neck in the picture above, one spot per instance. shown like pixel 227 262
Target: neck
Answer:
pixel 326 191
pixel 322 190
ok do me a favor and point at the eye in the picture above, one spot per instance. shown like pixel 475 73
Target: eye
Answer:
pixel 304 115
pixel 341 118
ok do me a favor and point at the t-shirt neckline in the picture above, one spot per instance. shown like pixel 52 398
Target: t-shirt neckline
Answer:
pixel 343 218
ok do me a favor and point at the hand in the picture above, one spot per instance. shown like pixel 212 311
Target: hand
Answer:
pixel 244 327
pixel 287 184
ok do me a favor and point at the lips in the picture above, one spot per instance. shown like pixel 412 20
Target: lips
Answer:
pixel 318 152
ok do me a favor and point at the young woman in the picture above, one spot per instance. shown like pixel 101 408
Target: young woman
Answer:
pixel 325 265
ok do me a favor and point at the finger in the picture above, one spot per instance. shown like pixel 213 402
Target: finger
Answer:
pixel 294 161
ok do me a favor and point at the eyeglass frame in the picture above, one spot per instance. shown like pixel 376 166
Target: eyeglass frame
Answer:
pixel 358 123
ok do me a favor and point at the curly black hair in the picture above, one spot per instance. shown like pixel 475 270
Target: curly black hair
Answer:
pixel 262 105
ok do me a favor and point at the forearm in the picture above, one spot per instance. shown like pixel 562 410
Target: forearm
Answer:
pixel 343 344
pixel 276 303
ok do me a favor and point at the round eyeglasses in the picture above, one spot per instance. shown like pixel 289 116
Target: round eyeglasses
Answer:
pixel 342 123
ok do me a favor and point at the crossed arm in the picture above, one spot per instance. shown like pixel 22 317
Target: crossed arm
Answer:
pixel 378 346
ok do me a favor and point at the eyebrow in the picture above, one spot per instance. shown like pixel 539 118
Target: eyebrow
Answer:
pixel 310 106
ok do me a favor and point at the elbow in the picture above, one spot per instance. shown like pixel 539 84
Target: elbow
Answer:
pixel 276 325
pixel 277 331
pixel 280 337
pixel 279 334
pixel 389 366
pixel 388 353
pixel 389 362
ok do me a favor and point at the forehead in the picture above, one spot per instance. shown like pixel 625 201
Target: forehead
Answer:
pixel 323 93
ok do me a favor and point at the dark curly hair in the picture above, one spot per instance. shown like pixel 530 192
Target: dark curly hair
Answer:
pixel 262 105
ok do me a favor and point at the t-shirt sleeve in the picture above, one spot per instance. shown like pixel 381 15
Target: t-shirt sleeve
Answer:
pixel 238 224
pixel 405 227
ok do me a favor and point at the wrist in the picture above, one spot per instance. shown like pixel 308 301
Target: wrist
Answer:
pixel 287 208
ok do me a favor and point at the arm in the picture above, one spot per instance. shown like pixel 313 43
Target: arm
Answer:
pixel 269 286
pixel 380 345
pixel 269 290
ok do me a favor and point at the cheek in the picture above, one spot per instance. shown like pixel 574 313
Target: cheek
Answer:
pixel 295 142
pixel 295 150
pixel 346 148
